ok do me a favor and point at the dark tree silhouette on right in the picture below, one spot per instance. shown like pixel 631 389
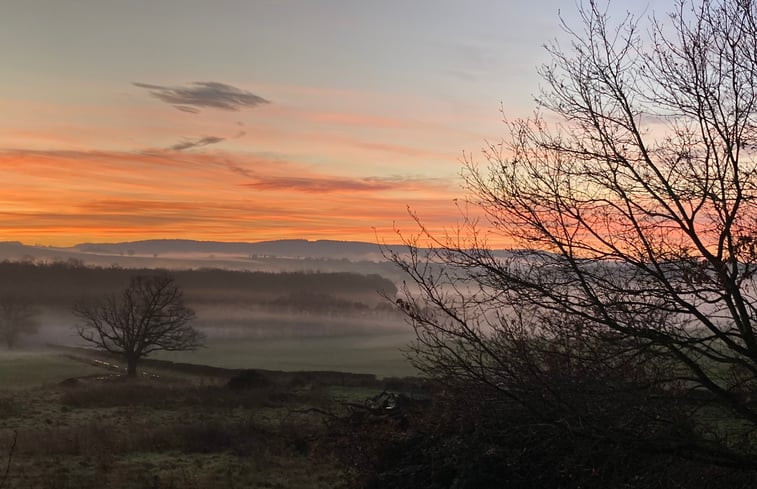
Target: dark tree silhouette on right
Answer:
pixel 625 310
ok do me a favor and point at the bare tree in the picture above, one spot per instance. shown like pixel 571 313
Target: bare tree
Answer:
pixel 628 303
pixel 17 318
pixel 148 316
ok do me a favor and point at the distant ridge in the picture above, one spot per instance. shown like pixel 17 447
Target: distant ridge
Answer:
pixel 181 254
pixel 285 248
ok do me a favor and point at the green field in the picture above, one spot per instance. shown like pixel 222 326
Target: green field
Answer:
pixel 182 428
pixel 104 431
pixel 33 369
pixel 375 354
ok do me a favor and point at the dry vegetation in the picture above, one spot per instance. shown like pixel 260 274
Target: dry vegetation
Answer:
pixel 179 428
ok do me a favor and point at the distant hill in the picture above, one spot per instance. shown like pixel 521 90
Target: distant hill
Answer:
pixel 290 255
pixel 287 248
pixel 16 251
pixel 269 256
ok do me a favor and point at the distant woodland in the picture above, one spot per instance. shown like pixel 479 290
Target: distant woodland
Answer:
pixel 60 284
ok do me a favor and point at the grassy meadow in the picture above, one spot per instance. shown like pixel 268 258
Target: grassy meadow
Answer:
pixel 33 369
pixel 80 425
pixel 379 354
pixel 275 342
pixel 319 343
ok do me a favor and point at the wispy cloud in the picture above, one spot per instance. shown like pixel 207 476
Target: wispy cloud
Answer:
pixel 187 108
pixel 316 185
pixel 196 143
pixel 329 184
pixel 224 195
pixel 190 98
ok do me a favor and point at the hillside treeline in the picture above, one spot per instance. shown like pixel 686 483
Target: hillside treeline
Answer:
pixel 63 283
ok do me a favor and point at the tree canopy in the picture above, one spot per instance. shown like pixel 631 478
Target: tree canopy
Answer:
pixel 148 316
pixel 627 305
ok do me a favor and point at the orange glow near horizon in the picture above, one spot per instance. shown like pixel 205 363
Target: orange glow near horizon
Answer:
pixel 64 198
pixel 255 121
pixel 141 170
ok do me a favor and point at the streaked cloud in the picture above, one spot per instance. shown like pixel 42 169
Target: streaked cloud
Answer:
pixel 64 197
pixel 196 143
pixel 187 108
pixel 216 95
pixel 326 184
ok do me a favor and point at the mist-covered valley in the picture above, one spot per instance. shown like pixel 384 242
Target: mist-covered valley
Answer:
pixel 330 314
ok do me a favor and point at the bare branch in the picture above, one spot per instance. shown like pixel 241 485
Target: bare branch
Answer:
pixel 148 316
pixel 634 236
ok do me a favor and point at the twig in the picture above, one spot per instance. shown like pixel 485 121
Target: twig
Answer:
pixel 10 459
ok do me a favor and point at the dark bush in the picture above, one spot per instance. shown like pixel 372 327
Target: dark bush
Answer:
pixel 249 379
pixel 465 441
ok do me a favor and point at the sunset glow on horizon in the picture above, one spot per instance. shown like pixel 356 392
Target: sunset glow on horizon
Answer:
pixel 251 121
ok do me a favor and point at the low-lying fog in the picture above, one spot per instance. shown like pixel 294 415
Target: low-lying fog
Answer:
pixel 291 320
pixel 252 337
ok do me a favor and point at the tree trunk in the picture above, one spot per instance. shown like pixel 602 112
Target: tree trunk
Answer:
pixel 131 367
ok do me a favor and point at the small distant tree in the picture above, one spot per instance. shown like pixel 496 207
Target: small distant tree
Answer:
pixel 17 318
pixel 148 316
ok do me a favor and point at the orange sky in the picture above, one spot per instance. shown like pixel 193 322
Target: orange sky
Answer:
pixel 136 169
pixel 249 121
pixel 65 197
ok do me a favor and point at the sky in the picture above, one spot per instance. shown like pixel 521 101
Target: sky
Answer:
pixel 255 120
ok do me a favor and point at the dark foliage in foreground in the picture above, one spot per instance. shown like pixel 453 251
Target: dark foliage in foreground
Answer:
pixel 116 432
pixel 621 337
pixel 468 440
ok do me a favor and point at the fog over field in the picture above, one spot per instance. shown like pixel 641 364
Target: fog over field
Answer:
pixel 267 340
pixel 268 256
pixel 330 314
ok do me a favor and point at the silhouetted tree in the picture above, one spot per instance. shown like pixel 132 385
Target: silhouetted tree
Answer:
pixel 149 315
pixel 627 308
pixel 17 318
